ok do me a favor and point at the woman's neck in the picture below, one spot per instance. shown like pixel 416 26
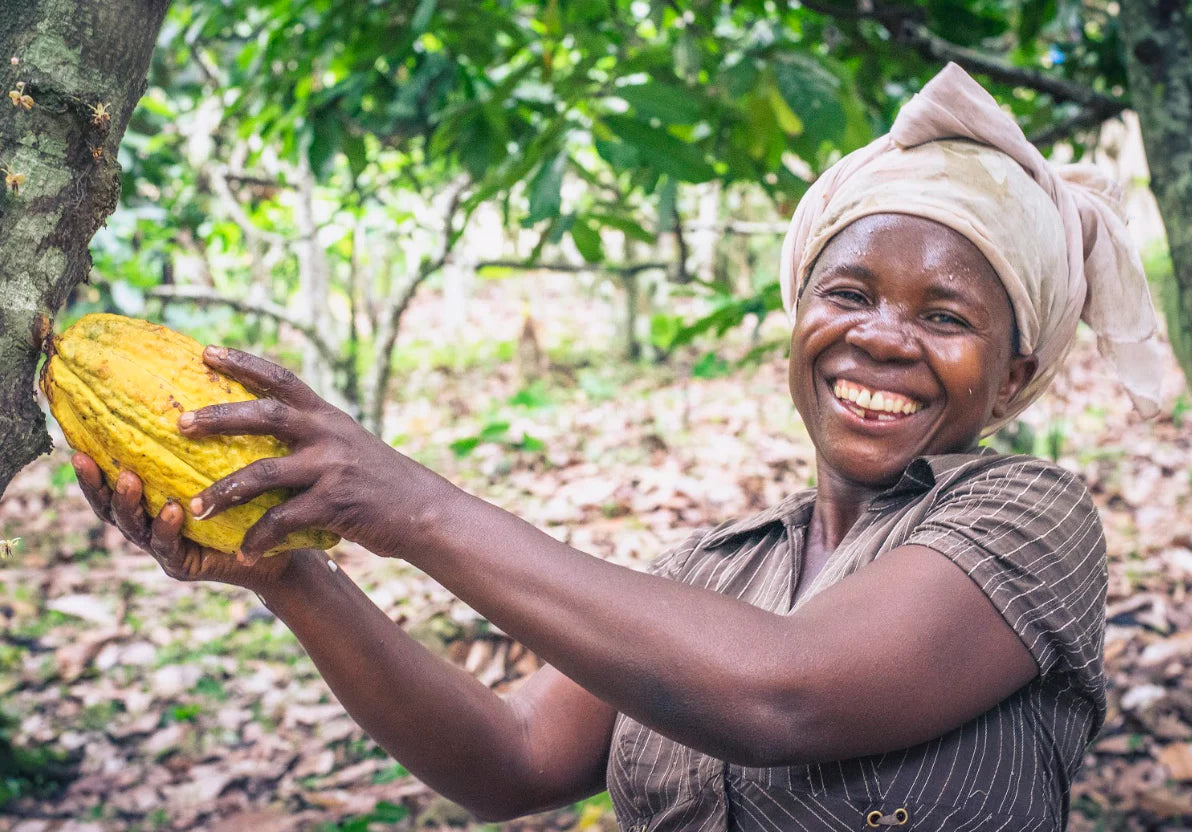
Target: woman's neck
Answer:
pixel 838 504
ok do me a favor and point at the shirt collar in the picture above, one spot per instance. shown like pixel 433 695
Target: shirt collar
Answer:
pixel 920 476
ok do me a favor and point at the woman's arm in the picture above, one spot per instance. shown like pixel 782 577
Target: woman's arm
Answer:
pixel 544 746
pixel 901 652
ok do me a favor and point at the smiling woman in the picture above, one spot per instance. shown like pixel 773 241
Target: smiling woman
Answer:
pixel 915 642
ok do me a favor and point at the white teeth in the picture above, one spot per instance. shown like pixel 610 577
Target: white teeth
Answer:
pixel 886 417
pixel 880 401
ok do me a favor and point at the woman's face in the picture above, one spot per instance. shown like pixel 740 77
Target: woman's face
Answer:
pixel 902 346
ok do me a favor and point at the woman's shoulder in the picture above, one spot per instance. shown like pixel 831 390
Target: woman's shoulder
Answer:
pixel 987 469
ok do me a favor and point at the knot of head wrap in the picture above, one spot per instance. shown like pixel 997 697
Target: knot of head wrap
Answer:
pixel 1055 235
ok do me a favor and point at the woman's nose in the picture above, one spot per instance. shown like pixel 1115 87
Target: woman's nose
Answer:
pixel 884 338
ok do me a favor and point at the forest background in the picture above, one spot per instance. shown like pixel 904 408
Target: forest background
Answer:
pixel 534 246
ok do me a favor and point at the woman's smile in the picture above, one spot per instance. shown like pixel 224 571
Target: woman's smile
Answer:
pixel 869 404
pixel 903 346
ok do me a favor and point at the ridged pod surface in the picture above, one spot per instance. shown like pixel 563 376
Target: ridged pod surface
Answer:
pixel 117 385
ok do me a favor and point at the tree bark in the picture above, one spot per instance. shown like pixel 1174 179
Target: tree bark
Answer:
pixel 1159 66
pixel 72 71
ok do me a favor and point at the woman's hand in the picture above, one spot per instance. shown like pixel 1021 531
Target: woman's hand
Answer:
pixel 179 558
pixel 349 481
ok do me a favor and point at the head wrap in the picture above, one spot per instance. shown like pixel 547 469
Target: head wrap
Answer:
pixel 1055 235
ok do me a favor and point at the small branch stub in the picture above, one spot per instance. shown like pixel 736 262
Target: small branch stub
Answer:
pixel 43 332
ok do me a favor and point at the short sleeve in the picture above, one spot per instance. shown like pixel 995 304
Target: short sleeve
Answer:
pixel 670 563
pixel 1027 532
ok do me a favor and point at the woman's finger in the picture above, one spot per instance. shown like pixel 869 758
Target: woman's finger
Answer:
pixel 262 377
pixel 301 512
pixel 127 512
pixel 258 417
pixel 250 481
pixel 165 540
pixel 90 478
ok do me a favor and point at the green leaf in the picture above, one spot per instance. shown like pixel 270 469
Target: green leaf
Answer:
pixel 627 225
pixel 664 328
pixel 357 154
pixel 668 195
pixel 710 366
pixel 387 775
pixel 662 151
pixel 587 240
pixel 493 431
pixel 386 812
pixel 533 397
pixel 529 443
pixel 421 19
pixel 546 190
pixel 813 93
pixel 669 103
pixel 465 446
pixel 326 140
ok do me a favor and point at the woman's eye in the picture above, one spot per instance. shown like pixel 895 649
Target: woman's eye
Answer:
pixel 948 319
pixel 847 295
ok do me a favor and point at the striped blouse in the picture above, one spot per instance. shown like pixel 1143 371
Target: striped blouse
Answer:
pixel 1027 533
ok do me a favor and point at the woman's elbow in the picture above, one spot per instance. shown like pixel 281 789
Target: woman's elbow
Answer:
pixel 767 734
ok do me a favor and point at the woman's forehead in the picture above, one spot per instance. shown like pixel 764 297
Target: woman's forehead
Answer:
pixel 902 246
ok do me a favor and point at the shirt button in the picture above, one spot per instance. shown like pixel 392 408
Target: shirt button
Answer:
pixel 899 817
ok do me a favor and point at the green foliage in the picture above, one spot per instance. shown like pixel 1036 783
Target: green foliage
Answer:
pixel 385 813
pixel 28 771
pixel 1020 438
pixel 584 122
pixel 497 433
pixel 388 775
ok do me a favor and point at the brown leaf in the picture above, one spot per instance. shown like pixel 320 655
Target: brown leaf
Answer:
pixel 1177 759
pixel 1161 652
pixel 1166 803
pixel 73 659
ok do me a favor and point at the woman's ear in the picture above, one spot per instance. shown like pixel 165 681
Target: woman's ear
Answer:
pixel 1020 372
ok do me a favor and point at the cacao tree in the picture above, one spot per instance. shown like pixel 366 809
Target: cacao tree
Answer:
pixel 72 73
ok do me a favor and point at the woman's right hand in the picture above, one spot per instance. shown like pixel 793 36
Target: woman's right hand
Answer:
pixel 179 557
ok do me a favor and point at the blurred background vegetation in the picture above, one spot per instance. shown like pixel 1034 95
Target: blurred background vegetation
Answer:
pixel 298 170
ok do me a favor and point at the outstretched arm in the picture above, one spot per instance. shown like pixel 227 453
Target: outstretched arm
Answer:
pixel 543 746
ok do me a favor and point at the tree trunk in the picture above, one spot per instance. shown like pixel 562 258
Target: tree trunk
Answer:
pixel 1159 65
pixel 73 71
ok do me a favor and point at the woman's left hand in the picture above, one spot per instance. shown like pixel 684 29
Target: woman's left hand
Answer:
pixel 349 481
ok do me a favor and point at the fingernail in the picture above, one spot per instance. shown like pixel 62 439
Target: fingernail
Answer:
pixel 122 485
pixel 196 508
pixel 240 558
pixel 186 420
pixel 217 353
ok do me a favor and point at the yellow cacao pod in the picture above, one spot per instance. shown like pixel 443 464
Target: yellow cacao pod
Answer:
pixel 117 385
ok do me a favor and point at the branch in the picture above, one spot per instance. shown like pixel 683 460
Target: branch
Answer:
pixel 534 265
pixel 218 180
pixel 245 178
pixel 202 296
pixel 393 314
pixel 932 46
pixel 1081 120
pixel 907 27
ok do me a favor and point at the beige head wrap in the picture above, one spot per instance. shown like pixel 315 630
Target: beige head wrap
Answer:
pixel 1055 235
